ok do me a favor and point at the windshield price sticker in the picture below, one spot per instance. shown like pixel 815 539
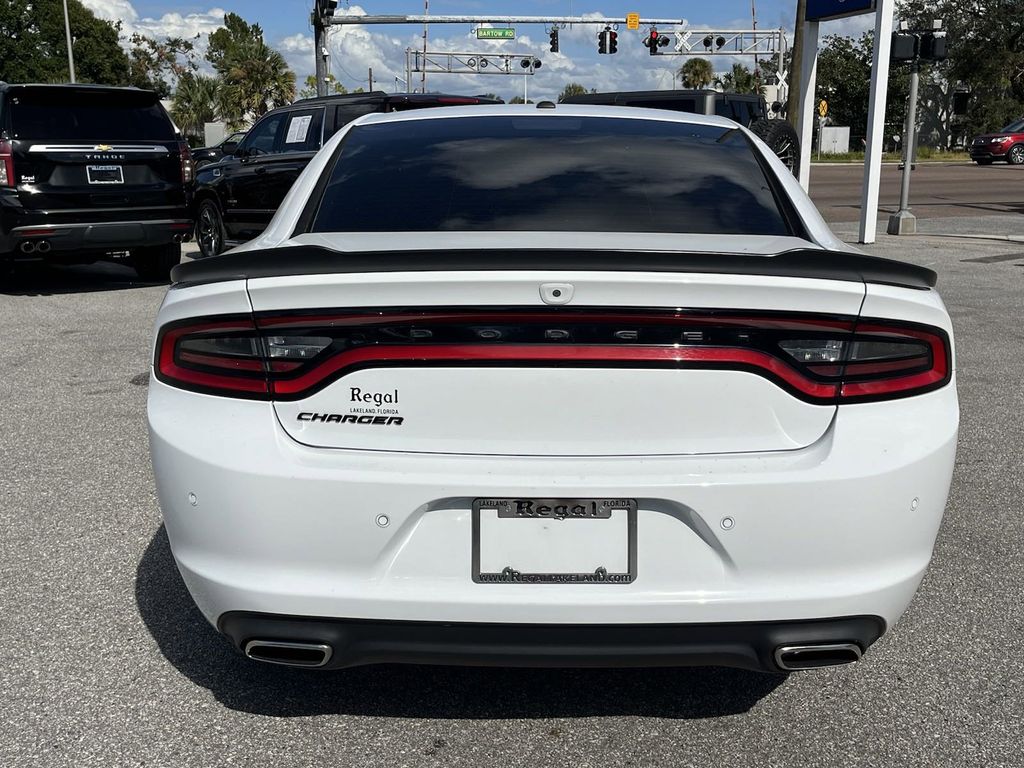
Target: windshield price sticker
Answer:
pixel 297 129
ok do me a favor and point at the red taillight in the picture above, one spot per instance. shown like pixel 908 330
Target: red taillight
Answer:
pixel 186 162
pixel 820 359
pixel 6 165
pixel 222 356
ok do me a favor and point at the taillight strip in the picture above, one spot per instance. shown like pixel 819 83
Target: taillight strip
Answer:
pixel 573 355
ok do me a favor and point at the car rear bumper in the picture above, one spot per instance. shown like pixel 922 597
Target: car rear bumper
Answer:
pixel 758 646
pixel 260 523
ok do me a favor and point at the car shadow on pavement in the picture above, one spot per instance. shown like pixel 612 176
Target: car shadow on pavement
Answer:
pixel 54 279
pixel 201 654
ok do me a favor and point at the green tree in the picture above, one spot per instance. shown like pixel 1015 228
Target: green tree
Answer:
pixel 986 58
pixel 309 91
pixel 519 100
pixel 255 77
pixel 844 80
pixel 739 79
pixel 697 73
pixel 571 89
pixel 158 65
pixel 197 100
pixel 33 47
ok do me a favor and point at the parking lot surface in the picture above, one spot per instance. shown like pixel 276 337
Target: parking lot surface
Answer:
pixel 107 662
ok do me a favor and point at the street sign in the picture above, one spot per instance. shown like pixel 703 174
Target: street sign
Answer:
pixel 632 21
pixel 822 108
pixel 823 10
pixel 495 33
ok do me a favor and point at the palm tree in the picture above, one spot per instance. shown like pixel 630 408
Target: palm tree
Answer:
pixel 259 80
pixel 738 80
pixel 196 101
pixel 697 73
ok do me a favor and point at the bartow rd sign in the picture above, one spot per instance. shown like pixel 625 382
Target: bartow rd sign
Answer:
pixel 495 33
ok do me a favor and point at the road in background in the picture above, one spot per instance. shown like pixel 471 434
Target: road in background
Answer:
pixel 107 662
pixel 936 190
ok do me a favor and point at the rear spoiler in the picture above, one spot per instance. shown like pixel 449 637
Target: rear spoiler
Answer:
pixel 316 260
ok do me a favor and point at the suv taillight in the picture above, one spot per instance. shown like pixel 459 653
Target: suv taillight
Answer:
pixel 6 165
pixel 186 162
pixel 818 359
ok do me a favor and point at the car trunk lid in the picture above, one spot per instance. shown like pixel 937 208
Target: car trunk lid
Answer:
pixel 618 363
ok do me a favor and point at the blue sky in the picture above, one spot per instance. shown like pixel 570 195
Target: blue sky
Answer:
pixel 355 49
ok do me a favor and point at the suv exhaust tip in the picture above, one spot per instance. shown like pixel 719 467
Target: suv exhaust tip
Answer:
pixel 796 657
pixel 27 246
pixel 309 655
pixel 43 246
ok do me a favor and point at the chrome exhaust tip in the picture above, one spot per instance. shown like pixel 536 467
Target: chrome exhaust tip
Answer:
pixel 795 657
pixel 309 655
pixel 177 238
pixel 27 246
pixel 43 246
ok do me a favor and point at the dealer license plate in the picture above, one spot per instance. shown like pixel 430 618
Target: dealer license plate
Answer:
pixel 105 174
pixel 554 541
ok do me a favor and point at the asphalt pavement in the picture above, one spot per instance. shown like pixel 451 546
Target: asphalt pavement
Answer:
pixel 106 662
pixel 937 190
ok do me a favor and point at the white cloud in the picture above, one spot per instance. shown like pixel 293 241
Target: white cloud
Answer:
pixel 168 25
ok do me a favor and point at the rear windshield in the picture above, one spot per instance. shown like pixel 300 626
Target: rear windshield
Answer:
pixel 66 115
pixel 548 173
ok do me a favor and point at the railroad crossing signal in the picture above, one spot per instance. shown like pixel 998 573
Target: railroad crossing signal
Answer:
pixel 822 108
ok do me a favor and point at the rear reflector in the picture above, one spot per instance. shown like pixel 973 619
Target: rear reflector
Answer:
pixel 6 165
pixel 819 359
pixel 187 170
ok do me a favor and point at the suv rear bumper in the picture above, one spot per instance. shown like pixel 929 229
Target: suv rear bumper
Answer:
pixel 353 642
pixel 23 242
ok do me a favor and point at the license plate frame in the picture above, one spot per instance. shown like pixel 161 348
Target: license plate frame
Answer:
pixel 567 512
pixel 92 171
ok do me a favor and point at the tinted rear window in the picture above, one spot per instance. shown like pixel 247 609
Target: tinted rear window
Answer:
pixel 548 173
pixel 66 115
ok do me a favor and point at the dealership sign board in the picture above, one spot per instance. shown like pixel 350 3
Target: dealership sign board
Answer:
pixel 823 10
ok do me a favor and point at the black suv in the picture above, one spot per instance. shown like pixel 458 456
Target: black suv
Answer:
pixel 236 198
pixel 90 172
pixel 749 110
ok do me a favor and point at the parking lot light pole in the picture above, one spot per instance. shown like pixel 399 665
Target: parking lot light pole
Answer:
pixel 903 222
pixel 71 55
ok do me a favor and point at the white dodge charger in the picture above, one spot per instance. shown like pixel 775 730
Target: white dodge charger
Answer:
pixel 551 386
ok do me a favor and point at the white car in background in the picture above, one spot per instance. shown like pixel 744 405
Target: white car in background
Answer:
pixel 551 386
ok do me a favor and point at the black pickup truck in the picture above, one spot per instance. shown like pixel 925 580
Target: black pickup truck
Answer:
pixel 236 198
pixel 90 172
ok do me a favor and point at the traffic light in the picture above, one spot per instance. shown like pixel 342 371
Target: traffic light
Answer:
pixel 602 40
pixel 933 46
pixel 652 42
pixel 553 35
pixel 613 41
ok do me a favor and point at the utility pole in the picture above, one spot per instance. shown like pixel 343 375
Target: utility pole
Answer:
pixel 793 94
pixel 423 77
pixel 67 32
pixel 903 222
pixel 320 46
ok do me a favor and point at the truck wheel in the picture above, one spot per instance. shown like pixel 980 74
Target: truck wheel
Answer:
pixel 154 264
pixel 209 228
pixel 781 138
